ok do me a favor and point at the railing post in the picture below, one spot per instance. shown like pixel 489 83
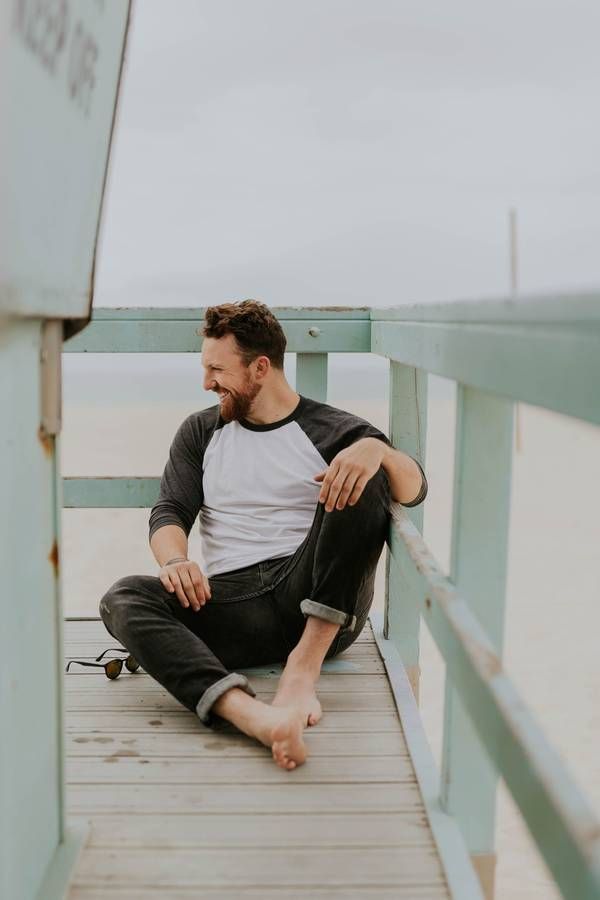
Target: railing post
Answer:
pixel 408 427
pixel 311 375
pixel 484 429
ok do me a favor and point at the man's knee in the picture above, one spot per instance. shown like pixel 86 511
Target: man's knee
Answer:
pixel 374 501
pixel 118 598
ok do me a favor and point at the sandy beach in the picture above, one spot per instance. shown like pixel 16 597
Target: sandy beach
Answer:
pixel 553 609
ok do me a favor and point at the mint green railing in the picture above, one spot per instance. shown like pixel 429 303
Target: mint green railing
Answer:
pixel 544 351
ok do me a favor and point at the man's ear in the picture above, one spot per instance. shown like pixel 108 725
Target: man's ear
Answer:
pixel 263 364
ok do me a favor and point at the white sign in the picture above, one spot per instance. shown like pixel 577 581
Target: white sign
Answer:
pixel 60 65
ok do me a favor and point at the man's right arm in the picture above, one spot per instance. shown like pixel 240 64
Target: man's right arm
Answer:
pixel 173 514
pixel 169 542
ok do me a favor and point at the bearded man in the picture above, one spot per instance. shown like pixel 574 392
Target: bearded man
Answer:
pixel 293 501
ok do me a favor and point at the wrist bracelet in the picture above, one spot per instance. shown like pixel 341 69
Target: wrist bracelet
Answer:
pixel 176 559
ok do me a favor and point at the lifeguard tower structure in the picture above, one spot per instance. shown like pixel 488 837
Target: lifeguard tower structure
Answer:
pixel 156 805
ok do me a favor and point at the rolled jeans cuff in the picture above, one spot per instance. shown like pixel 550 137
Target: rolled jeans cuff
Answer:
pixel 320 611
pixel 216 690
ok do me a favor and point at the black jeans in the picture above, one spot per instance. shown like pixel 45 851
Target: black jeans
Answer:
pixel 256 615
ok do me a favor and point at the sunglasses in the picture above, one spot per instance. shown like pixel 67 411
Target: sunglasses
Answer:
pixel 113 667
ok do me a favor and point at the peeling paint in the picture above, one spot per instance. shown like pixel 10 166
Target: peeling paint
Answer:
pixel 47 442
pixel 54 558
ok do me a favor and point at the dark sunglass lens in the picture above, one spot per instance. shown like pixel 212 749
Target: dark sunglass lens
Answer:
pixel 132 664
pixel 113 668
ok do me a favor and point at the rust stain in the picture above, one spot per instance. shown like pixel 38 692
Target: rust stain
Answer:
pixel 119 753
pixel 428 602
pixel 103 740
pixel 154 722
pixel 47 442
pixel 54 558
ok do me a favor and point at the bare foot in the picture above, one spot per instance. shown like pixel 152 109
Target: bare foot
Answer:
pixel 281 730
pixel 297 691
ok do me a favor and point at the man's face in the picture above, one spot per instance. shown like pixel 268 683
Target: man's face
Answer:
pixel 226 375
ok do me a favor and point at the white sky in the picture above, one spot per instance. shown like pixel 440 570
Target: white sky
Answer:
pixel 343 152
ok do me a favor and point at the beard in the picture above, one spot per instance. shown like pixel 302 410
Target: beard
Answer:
pixel 236 406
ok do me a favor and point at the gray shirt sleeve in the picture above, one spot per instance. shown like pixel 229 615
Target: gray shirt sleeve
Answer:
pixel 181 494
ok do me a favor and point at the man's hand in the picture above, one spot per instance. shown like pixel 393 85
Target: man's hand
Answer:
pixel 346 476
pixel 188 581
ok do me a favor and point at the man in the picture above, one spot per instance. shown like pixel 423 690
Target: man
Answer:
pixel 293 499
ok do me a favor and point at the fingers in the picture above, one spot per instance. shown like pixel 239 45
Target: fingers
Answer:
pixel 338 490
pixel 188 582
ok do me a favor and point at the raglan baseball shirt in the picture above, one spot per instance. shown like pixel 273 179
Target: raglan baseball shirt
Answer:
pixel 253 486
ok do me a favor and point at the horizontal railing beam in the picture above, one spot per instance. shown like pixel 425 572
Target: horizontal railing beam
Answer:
pixel 179 331
pixel 541 309
pixel 196 313
pixel 562 823
pixel 554 366
pixel 110 493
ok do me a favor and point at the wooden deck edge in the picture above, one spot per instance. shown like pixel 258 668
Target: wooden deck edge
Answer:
pixel 61 869
pixel 463 882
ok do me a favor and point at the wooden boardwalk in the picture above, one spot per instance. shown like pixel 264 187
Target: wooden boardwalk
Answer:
pixel 178 811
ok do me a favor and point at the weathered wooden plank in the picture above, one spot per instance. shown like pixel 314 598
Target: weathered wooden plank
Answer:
pixel 93 492
pixel 230 867
pixel 207 744
pixel 260 830
pixel 144 684
pixel 482 485
pixel 114 768
pixel 293 798
pixel 533 364
pixel 311 375
pixel 185 722
pixel 537 309
pixel 370 665
pixel 408 432
pixel 182 336
pixel 196 313
pixel 398 892
pixel 460 875
pixel 163 702
pixel 557 813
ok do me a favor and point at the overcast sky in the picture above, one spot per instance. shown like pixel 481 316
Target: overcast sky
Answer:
pixel 343 152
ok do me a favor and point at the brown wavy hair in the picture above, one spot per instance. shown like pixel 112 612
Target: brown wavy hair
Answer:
pixel 256 330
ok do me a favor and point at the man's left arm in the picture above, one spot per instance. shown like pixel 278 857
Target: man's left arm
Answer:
pixel 345 478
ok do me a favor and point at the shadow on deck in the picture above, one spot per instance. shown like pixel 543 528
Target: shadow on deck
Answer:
pixel 176 810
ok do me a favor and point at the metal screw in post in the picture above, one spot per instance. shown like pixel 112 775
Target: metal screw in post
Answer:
pixel 314 331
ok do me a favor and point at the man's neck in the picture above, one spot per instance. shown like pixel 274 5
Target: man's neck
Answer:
pixel 270 407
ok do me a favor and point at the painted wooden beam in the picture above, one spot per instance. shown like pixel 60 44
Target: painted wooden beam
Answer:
pixel 481 510
pixel 311 375
pixel 563 825
pixel 461 878
pixel 555 366
pixel 538 309
pixel 174 335
pixel 110 493
pixel 408 428
pixel 196 313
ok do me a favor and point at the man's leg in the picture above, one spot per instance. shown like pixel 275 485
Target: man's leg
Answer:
pixel 175 646
pixel 330 588
pixel 297 685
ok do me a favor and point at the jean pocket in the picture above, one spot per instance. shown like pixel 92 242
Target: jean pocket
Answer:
pixel 230 587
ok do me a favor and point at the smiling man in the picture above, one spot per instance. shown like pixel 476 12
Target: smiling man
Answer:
pixel 293 500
